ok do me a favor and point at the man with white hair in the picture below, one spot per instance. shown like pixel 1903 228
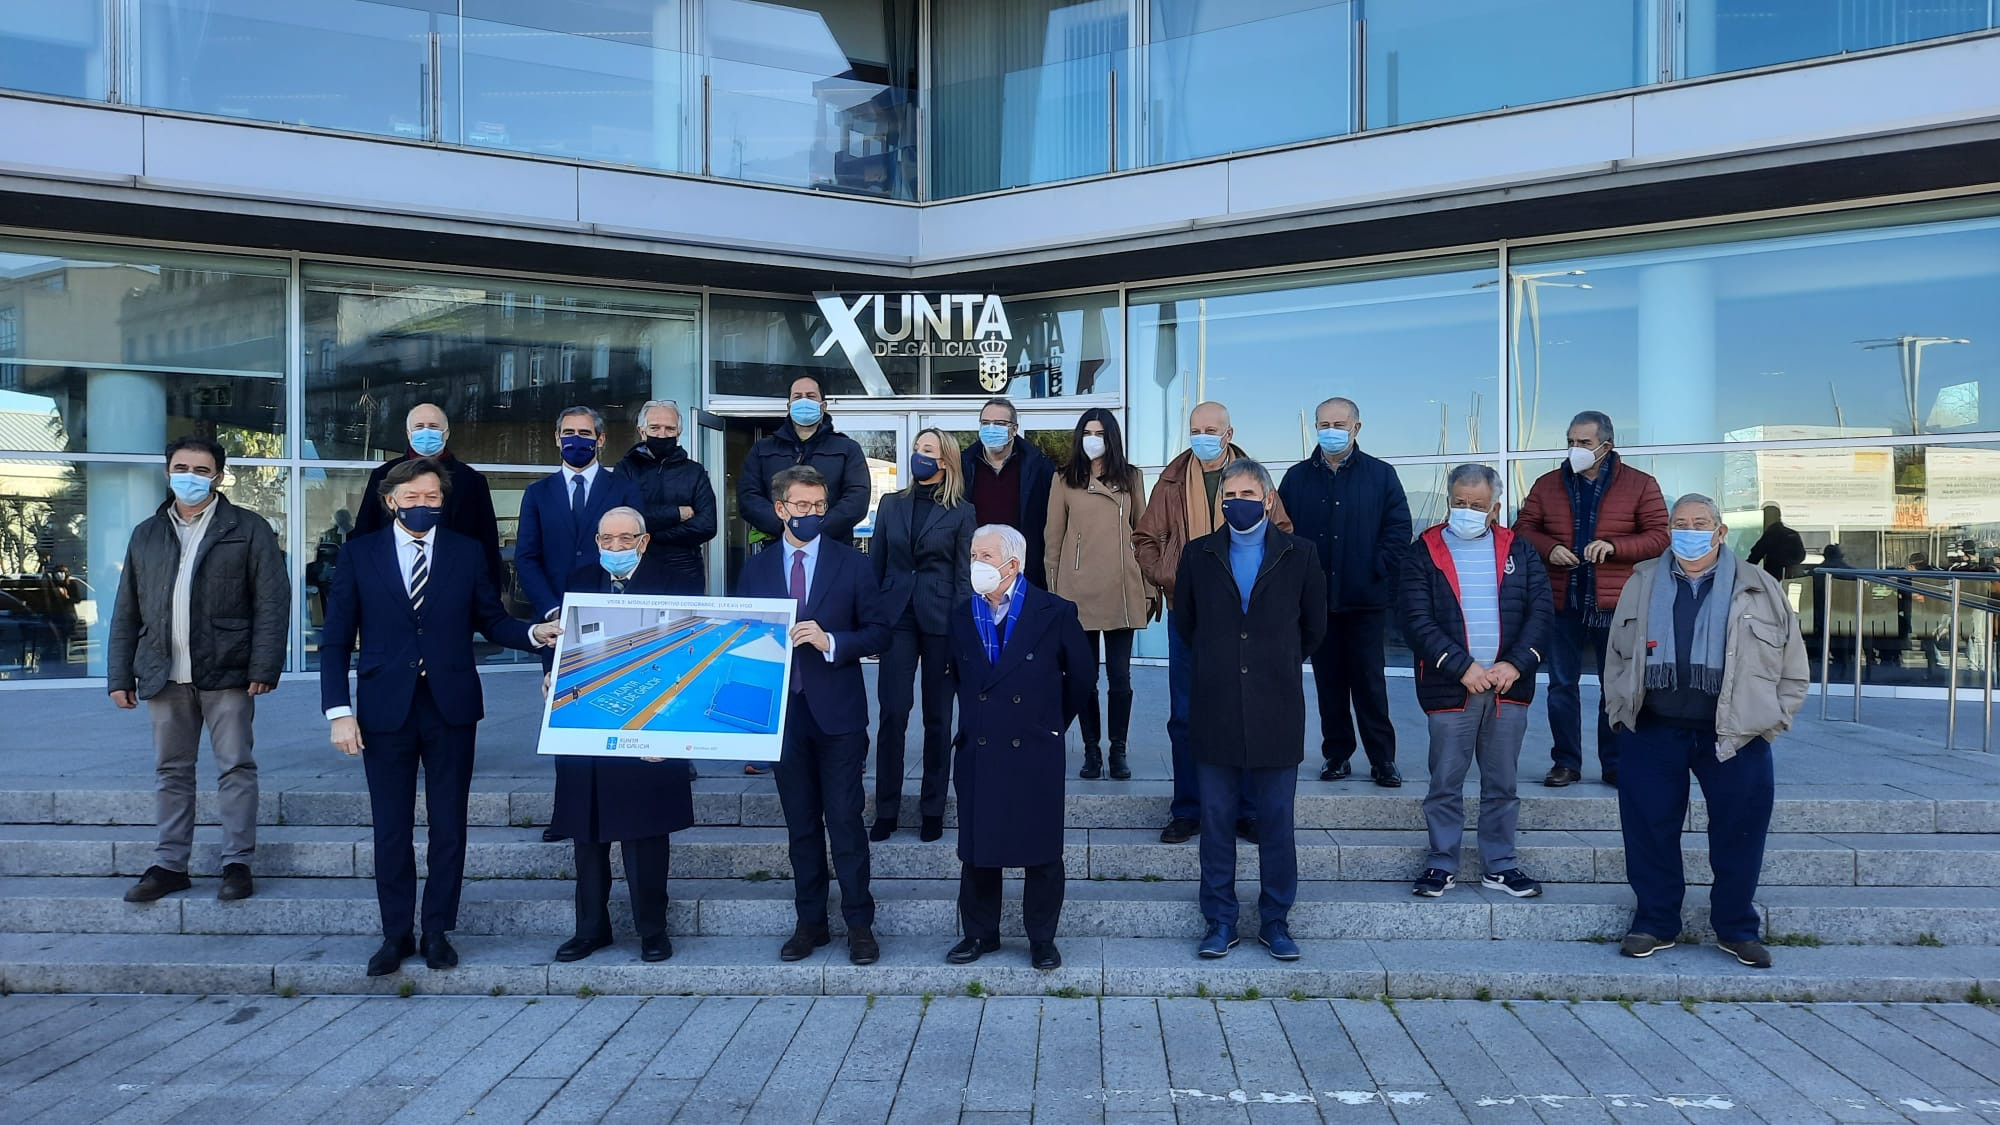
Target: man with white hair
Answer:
pixel 1705 667
pixel 1023 671
pixel 468 504
pixel 676 497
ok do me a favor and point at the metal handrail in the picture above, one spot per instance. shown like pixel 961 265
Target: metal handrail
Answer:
pixel 1911 582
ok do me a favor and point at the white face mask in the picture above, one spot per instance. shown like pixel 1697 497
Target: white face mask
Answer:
pixel 985 578
pixel 1093 446
pixel 1580 460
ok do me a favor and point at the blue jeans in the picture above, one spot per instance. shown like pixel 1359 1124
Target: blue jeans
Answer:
pixel 1652 807
pixel 1565 665
pixel 1268 794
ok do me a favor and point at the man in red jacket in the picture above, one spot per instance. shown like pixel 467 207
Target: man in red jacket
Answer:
pixel 1591 520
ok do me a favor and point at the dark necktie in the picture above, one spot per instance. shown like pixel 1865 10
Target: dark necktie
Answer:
pixel 576 493
pixel 420 574
pixel 617 585
pixel 798 584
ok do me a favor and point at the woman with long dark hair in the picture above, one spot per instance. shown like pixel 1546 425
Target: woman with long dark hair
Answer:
pixel 922 551
pixel 1093 509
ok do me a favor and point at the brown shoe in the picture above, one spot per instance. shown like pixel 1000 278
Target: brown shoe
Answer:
pixel 157 883
pixel 236 883
pixel 803 941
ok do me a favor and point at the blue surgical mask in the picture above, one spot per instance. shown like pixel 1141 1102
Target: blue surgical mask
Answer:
pixel 922 467
pixel 806 412
pixel 1466 523
pixel 618 563
pixel 1243 514
pixel 190 488
pixel 427 443
pixel 1207 447
pixel 993 435
pixel 1334 441
pixel 419 518
pixel 1692 543
pixel 578 451
pixel 806 528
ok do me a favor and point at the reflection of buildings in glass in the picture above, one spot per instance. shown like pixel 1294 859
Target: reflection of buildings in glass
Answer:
pixel 226 331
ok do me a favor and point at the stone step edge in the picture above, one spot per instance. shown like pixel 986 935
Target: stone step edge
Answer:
pixel 1545 970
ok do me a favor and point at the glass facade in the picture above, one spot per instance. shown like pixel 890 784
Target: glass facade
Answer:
pixel 1836 366
pixel 824 95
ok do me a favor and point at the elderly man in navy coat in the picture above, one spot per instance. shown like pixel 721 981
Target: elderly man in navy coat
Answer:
pixel 1024 670
pixel 634 801
pixel 412 595
pixel 840 620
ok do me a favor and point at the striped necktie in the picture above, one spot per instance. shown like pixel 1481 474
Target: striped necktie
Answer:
pixel 420 573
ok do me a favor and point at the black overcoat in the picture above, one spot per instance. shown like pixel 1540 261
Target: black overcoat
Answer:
pixel 1008 767
pixel 601 799
pixel 1249 707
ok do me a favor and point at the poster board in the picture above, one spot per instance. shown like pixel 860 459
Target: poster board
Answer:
pixel 670 676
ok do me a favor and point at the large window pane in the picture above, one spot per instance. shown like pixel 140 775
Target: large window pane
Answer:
pixel 758 345
pixel 116 352
pixel 1761 332
pixel 1886 507
pixel 1273 348
pixel 1063 347
pixel 815 93
pixel 333 499
pixel 1024 92
pixel 54 47
pixel 589 79
pixel 1427 60
pixel 1229 75
pixel 1725 35
pixel 501 358
pixel 64 526
pixel 335 64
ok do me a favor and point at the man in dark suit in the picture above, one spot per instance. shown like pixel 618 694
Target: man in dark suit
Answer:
pixel 1024 671
pixel 825 747
pixel 634 801
pixel 468 506
pixel 414 593
pixel 559 513
pixel 1250 602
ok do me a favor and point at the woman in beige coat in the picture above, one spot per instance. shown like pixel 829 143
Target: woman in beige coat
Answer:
pixel 1094 505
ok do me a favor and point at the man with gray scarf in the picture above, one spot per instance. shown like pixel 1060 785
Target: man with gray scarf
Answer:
pixel 1704 667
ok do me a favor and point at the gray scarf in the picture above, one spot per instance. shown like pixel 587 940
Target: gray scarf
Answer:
pixel 1710 641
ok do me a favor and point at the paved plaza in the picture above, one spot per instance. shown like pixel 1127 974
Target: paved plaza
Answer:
pixel 931 1060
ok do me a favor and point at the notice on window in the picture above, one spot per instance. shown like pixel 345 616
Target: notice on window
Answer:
pixel 1830 487
pixel 1961 486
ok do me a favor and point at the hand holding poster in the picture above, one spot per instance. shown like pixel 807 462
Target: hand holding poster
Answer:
pixel 669 676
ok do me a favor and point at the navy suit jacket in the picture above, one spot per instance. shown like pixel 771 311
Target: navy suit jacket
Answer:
pixel 553 543
pixel 368 601
pixel 846 602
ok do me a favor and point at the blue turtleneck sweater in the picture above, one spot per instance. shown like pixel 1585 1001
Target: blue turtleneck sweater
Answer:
pixel 1246 556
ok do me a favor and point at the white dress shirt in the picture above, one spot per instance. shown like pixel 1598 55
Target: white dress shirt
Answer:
pixel 589 475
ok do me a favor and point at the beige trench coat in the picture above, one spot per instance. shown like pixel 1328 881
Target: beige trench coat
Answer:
pixel 1090 557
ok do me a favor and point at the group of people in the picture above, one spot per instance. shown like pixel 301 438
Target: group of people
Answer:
pixel 995 585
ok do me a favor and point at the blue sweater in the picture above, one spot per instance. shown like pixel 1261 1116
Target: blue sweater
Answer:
pixel 1246 558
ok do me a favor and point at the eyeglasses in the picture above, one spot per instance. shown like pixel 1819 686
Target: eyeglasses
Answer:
pixel 805 507
pixel 619 541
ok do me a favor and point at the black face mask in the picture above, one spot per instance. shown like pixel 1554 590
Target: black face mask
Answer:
pixel 663 448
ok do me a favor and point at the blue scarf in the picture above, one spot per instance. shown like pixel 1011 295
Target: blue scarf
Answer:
pixel 1584 497
pixel 982 617
pixel 1709 643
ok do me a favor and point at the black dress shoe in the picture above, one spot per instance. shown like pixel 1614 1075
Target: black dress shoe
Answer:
pixel 1561 776
pixel 1336 771
pixel 970 950
pixel 577 948
pixel 389 958
pixel 1043 955
pixel 881 830
pixel 932 829
pixel 438 953
pixel 803 941
pixel 1180 830
pixel 157 883
pixel 655 948
pixel 236 884
pixel 551 836
pixel 1388 777
pixel 862 948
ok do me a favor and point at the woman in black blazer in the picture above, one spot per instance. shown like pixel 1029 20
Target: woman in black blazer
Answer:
pixel 922 551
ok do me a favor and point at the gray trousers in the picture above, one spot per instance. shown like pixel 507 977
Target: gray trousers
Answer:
pixel 178 713
pixel 1491 732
